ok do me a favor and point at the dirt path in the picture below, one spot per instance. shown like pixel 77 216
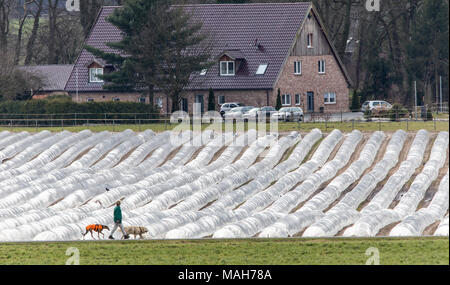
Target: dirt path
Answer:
pixel 402 157
pixel 377 159
pixel 353 157
pixel 419 170
pixel 435 185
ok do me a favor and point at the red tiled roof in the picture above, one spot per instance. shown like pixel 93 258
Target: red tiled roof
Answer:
pixel 263 33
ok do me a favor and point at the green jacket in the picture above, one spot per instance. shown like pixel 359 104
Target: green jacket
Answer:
pixel 117 215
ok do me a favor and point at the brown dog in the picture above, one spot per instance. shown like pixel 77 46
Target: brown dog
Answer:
pixel 95 228
pixel 136 231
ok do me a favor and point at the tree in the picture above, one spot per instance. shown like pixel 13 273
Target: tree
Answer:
pixel 278 104
pixel 429 46
pixel 164 49
pixel 184 54
pixel 211 100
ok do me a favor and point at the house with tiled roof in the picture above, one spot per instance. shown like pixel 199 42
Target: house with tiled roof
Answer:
pixel 258 49
pixel 54 78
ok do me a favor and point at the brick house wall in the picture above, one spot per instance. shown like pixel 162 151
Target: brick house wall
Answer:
pixel 257 98
pixel 311 81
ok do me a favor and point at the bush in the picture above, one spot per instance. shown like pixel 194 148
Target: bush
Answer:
pixel 397 112
pixel 355 106
pixel 368 115
pixel 61 108
pixel 429 116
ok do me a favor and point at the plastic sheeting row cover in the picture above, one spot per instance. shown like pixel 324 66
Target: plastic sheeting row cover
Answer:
pixel 344 212
pixel 255 223
pixel 377 215
pixel 52 185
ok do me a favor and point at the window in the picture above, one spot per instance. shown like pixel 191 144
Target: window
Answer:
pixel 286 100
pixel 142 100
pixel 203 72
pixel 298 67
pixel 321 66
pixel 297 99
pixel 262 69
pixel 94 73
pixel 227 68
pixel 116 99
pixel 330 98
pixel 310 40
pixel 89 100
pixel 159 102
pixel 221 99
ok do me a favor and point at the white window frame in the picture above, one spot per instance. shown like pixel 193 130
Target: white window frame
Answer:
pixel 297 66
pixel 116 99
pixel 89 99
pixel 299 99
pixel 93 72
pixel 284 100
pixel 322 66
pixel 309 40
pixel 227 71
pixel 327 98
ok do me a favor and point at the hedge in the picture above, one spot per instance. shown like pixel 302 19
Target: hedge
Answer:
pixel 63 108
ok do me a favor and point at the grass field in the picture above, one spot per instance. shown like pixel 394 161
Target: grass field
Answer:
pixel 392 251
pixel 436 126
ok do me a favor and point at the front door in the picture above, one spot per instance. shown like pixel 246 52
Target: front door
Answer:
pixel 200 99
pixel 310 99
pixel 184 105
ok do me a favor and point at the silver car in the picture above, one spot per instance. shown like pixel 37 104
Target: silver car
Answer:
pixel 255 113
pixel 370 105
pixel 289 114
pixel 237 113
pixel 228 106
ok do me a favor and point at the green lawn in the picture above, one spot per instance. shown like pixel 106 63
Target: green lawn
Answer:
pixel 282 127
pixel 233 252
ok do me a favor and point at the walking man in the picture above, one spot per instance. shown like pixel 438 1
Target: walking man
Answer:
pixel 118 222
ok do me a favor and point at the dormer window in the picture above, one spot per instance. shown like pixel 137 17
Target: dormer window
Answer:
pixel 203 72
pixel 94 75
pixel 227 68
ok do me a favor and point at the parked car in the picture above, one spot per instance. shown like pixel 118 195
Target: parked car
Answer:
pixel 254 114
pixel 228 106
pixel 238 112
pixel 293 114
pixel 370 105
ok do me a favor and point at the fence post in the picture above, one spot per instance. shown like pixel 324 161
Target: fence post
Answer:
pixel 379 124
pixel 434 121
pixel 113 125
pixel 62 124
pixel 353 124
pixel 36 125
pixel 407 124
